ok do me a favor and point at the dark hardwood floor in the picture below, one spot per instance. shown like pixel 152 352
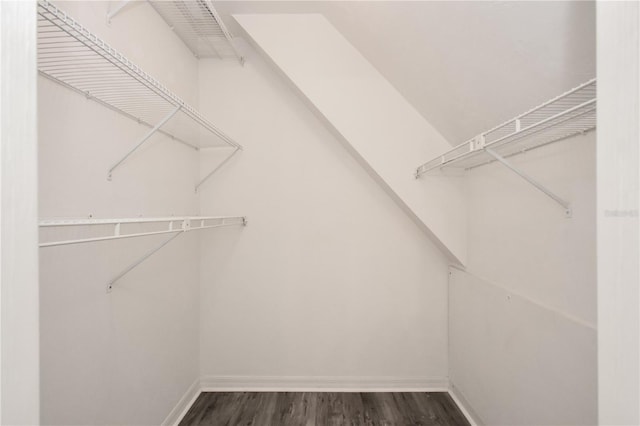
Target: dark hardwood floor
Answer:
pixel 324 409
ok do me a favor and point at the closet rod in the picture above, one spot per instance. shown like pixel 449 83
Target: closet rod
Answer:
pixel 184 224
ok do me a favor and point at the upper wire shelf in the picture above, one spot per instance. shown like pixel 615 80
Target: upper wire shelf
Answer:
pixel 74 57
pixel 199 26
pixel 569 114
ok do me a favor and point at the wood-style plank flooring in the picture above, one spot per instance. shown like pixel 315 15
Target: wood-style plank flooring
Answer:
pixel 324 409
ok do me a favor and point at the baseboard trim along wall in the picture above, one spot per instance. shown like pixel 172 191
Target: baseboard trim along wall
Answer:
pixel 183 405
pixel 323 383
pixel 312 384
pixel 301 384
pixel 464 406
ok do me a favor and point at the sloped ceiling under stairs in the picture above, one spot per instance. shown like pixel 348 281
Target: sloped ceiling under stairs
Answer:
pixel 464 65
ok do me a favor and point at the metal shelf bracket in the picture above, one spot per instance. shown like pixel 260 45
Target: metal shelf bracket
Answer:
pixel 174 226
pixel 143 140
pixel 185 226
pixel 142 259
pixel 565 205
pixel 116 10
pixel 218 167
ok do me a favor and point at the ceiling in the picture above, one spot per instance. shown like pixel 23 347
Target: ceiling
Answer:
pixel 466 66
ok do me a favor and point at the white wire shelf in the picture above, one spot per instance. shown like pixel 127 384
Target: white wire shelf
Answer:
pixel 74 57
pixel 115 229
pixel 569 114
pixel 199 26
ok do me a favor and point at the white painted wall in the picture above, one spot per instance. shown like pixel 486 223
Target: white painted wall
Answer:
pixel 520 239
pixel 464 65
pixel 330 282
pixel 126 357
pixel 510 357
pixel 19 363
pixel 617 213
pixel 384 132
pixel 523 317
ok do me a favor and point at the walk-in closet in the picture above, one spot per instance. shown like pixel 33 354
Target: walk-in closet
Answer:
pixel 320 213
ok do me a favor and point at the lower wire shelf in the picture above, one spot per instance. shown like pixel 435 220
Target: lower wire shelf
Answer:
pixel 129 228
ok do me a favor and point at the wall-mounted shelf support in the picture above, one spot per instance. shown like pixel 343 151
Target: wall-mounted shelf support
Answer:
pixel 570 114
pixel 565 205
pixel 73 57
pixel 116 10
pixel 144 139
pixel 174 225
pixel 222 163
pixel 139 261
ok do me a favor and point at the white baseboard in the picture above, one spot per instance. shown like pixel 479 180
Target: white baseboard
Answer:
pixel 183 405
pixel 464 406
pixel 323 383
pixel 317 384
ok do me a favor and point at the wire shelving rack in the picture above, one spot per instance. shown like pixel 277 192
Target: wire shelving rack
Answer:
pixel 570 114
pixel 199 26
pixel 116 229
pixel 72 56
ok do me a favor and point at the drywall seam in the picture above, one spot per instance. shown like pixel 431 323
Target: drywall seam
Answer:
pixel 565 315
pixel 184 404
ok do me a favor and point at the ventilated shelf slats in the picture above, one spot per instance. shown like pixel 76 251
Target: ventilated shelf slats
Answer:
pixel 72 56
pixel 199 26
pixel 569 114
